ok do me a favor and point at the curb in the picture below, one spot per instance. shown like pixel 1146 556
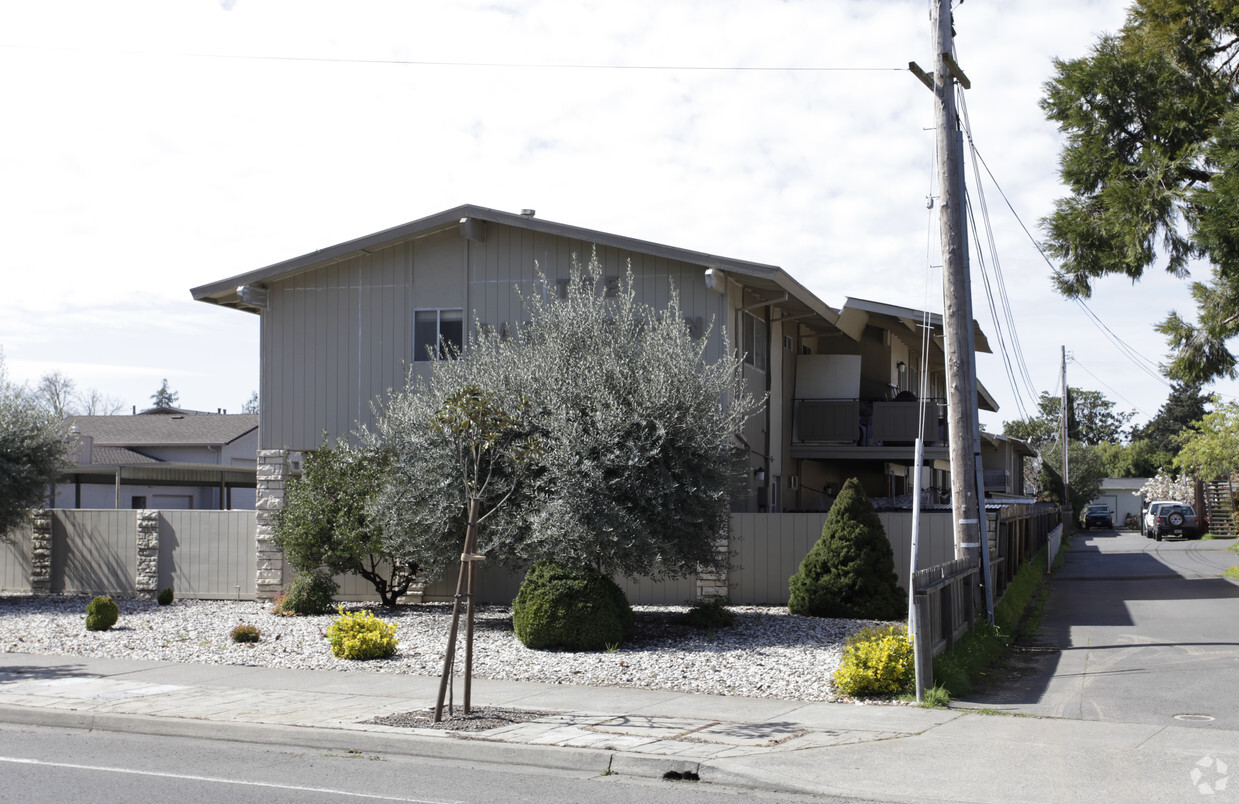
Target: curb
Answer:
pixel 553 757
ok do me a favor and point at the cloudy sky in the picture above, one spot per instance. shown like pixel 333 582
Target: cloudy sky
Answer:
pixel 151 147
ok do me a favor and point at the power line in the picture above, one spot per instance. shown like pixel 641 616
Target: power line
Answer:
pixel 1077 362
pixel 1140 361
pixel 479 64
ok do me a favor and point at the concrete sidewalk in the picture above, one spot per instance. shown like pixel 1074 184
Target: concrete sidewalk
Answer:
pixel 888 753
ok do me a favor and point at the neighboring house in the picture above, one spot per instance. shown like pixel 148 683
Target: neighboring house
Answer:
pixel 162 458
pixel 1122 494
pixel 341 326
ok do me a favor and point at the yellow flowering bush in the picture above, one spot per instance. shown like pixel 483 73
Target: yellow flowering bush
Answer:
pixel 361 635
pixel 877 661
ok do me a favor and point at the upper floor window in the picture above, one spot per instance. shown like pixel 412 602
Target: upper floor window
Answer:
pixel 753 338
pixel 437 332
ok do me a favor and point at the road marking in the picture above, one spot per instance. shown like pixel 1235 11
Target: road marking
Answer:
pixel 217 780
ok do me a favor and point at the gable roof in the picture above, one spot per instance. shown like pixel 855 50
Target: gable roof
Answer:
pixel 200 429
pixel 764 278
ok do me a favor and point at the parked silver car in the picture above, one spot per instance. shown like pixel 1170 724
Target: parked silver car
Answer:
pixel 1170 518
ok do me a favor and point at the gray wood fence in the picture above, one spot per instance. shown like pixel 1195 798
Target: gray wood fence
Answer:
pixel 212 554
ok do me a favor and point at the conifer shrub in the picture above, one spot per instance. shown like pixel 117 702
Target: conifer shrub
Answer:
pixel 246 633
pixel 165 597
pixel 101 614
pixel 570 608
pixel 850 571
pixel 309 593
pixel 877 662
pixel 361 635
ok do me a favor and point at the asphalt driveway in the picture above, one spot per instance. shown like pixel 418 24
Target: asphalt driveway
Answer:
pixel 1134 630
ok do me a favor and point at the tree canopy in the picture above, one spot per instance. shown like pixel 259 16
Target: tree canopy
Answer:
pixel 34 448
pixel 1091 419
pixel 1151 117
pixel 165 397
pixel 633 467
pixel 1211 446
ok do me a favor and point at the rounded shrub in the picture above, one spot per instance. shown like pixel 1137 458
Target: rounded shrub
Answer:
pixel 877 662
pixel 361 635
pixel 101 613
pixel 309 593
pixel 165 597
pixel 850 571
pixel 246 633
pixel 572 609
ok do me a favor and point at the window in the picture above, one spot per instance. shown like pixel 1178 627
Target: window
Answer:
pixel 753 340
pixel 436 330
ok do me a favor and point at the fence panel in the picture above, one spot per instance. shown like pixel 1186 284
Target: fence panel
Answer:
pixel 208 555
pixel 767 550
pixel 15 561
pixel 94 552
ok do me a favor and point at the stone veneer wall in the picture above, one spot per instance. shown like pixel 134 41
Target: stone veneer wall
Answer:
pixel 713 585
pixel 272 474
pixel 147 581
pixel 41 554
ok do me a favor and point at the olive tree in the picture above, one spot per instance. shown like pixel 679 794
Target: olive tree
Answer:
pixel 634 461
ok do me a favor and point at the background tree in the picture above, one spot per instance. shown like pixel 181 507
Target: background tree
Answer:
pixel 1155 445
pixel 251 404
pixel 1091 419
pixel 165 397
pixel 326 521
pixel 1095 430
pixel 1152 161
pixel 1211 446
pixel 34 449
pixel 58 395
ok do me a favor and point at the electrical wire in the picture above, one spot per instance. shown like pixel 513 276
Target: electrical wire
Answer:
pixel 1139 360
pixel 482 64
pixel 1076 362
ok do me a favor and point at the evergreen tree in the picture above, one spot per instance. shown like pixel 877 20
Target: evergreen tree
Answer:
pixel 165 397
pixel 850 571
pixel 1152 160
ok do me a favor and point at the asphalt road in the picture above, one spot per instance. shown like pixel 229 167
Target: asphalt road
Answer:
pixel 40 764
pixel 1134 631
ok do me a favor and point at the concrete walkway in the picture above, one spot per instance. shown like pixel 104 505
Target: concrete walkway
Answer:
pixel 888 753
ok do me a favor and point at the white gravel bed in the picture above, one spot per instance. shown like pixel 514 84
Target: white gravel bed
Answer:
pixel 768 653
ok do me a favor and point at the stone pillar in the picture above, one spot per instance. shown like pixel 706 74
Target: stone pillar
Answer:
pixel 147 582
pixel 41 553
pixel 272 473
pixel 713 585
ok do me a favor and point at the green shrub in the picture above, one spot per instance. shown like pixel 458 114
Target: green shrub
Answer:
pixel 246 633
pixel 361 635
pixel 309 593
pixel 877 661
pixel 711 613
pixel 850 571
pixel 101 614
pixel 573 609
pixel 165 597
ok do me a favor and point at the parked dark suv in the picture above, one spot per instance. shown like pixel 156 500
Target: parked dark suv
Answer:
pixel 1098 516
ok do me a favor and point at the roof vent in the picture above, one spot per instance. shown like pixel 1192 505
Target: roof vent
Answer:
pixel 527 213
pixel 178 416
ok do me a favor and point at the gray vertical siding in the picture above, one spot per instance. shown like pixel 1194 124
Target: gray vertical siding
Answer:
pixel 338 337
pixel 208 554
pixel 94 552
pixel 15 561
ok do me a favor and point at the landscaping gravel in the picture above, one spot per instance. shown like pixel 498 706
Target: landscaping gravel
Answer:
pixel 768 653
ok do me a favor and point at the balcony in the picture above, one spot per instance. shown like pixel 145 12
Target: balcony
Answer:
pixel 863 429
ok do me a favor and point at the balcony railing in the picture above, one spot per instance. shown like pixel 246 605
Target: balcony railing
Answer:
pixel 882 422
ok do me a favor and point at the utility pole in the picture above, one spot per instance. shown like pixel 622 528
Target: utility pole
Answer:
pixel 1063 433
pixel 963 426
